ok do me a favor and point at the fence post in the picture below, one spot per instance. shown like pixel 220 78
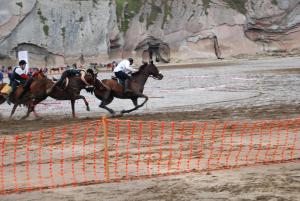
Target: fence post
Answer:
pixel 106 156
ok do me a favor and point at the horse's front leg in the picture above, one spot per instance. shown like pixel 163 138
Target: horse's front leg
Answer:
pixel 105 102
pixel 134 100
pixel 85 102
pixel 30 108
pixel 73 107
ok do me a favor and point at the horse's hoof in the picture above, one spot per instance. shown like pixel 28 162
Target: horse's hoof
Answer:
pixel 88 108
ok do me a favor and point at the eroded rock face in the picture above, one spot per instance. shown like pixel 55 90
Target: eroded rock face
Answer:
pixel 66 29
pixel 57 32
pixel 275 24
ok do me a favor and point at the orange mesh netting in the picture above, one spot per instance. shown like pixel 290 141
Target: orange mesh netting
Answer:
pixel 114 150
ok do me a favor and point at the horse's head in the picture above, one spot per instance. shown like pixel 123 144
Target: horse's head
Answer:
pixel 39 74
pixel 90 77
pixel 151 70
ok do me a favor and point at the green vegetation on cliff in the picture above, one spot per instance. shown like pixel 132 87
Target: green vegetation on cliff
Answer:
pixel 43 20
pixel 20 4
pixel 127 9
pixel 238 5
pixel 46 30
pixel 206 5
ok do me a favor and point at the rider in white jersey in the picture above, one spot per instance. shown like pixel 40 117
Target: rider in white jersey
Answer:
pixel 123 71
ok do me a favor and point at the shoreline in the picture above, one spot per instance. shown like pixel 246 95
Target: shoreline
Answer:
pixel 199 63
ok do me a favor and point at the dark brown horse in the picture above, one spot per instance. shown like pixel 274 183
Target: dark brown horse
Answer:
pixel 139 79
pixel 72 90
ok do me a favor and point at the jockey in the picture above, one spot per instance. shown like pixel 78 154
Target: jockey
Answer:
pixel 19 76
pixel 123 71
pixel 66 74
pixel 28 83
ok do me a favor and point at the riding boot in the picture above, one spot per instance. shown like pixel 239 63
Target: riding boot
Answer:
pixel 126 86
pixel 23 93
pixel 26 87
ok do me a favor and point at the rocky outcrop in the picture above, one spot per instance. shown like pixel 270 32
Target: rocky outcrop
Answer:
pixel 57 32
pixel 274 24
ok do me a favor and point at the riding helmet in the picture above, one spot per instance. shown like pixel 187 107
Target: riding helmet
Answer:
pixel 90 71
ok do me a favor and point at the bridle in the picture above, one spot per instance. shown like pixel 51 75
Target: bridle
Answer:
pixel 159 76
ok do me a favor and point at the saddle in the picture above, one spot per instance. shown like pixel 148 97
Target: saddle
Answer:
pixel 121 82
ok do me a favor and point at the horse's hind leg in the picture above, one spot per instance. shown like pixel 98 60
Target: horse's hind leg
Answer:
pixel 134 100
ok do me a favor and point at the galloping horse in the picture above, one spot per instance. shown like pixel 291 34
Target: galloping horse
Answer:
pixel 38 92
pixel 139 79
pixel 72 89
pixel 34 94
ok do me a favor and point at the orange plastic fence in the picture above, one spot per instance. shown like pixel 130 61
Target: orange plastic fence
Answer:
pixel 115 150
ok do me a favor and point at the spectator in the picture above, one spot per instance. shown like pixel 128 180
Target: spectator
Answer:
pixel 9 73
pixel 1 77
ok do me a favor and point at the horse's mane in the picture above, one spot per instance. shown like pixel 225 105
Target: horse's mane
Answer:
pixel 145 64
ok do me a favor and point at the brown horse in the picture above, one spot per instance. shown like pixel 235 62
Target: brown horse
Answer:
pixel 139 79
pixel 38 92
pixel 30 97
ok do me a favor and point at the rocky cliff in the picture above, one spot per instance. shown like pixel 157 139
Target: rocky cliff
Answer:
pixel 57 32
